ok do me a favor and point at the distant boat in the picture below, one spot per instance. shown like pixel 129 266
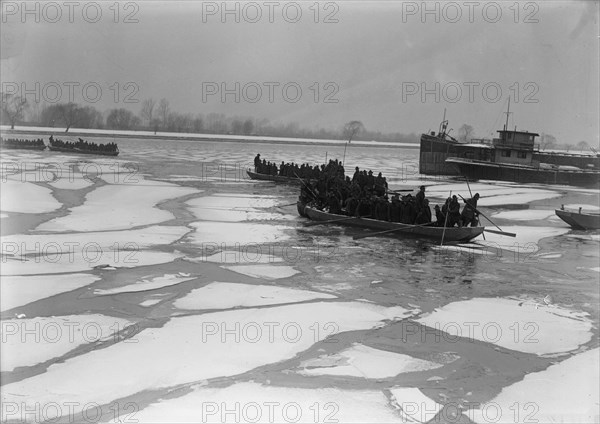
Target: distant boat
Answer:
pixel 275 178
pixel 448 234
pixel 72 149
pixel 579 220
pixel 13 143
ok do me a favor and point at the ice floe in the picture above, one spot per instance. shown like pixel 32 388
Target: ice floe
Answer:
pixel 79 262
pixel 149 302
pixel 249 255
pixel 256 403
pixel 71 180
pixel 219 295
pixel 566 392
pixel 27 342
pixel 119 206
pixel 195 348
pixel 20 290
pixel 235 208
pixel 144 238
pixel 366 362
pixel 228 235
pixel 270 272
pixel 526 215
pixel 526 241
pixel 146 284
pixel 525 326
pixel 26 197
pixel 413 405
pixel 61 253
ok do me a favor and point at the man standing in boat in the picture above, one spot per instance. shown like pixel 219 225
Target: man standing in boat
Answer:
pixel 454 212
pixel 420 198
pixel 469 216
pixel 257 163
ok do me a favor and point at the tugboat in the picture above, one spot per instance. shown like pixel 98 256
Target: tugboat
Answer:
pixel 513 156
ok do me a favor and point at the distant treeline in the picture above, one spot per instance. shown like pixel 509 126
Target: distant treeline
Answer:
pixel 158 116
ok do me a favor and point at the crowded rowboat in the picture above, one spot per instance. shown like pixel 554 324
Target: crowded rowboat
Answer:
pixel 327 195
pixel 429 230
pixel 18 143
pixel 83 147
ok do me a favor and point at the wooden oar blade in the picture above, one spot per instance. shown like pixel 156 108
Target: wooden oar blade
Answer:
pixel 502 233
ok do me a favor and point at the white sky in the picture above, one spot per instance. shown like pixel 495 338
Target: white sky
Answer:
pixel 372 52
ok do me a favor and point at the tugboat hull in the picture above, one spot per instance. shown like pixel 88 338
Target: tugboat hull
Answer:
pixel 478 170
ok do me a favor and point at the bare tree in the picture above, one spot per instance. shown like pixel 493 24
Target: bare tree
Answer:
pixel 70 114
pixel 163 111
pixel 121 119
pixel 465 133
pixel 351 129
pixel 248 126
pixel 548 141
pixel 237 126
pixel 583 145
pixel 198 124
pixel 147 112
pixel 13 107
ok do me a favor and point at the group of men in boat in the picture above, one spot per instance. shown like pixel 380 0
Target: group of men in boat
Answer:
pixel 17 142
pixel 84 145
pixel 366 195
pixel 293 170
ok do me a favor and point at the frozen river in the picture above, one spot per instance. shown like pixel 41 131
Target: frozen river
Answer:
pixel 164 286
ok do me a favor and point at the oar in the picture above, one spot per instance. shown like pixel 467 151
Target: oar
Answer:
pixel 390 231
pixel 446 220
pixel 305 185
pixel 399 190
pixel 310 224
pixel 504 233
pixel 288 204
pixel 471 194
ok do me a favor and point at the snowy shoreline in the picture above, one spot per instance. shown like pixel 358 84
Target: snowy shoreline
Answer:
pixel 192 137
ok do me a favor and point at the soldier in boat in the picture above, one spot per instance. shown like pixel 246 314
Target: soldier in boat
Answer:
pixel 257 163
pixel 469 216
pixel 454 212
pixel 440 218
pixel 424 214
pixel 382 210
pixel 379 185
pixel 395 209
pixel 420 198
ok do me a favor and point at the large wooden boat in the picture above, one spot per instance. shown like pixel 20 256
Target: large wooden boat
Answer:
pixel 275 178
pixel 84 151
pixel 579 220
pixel 449 234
